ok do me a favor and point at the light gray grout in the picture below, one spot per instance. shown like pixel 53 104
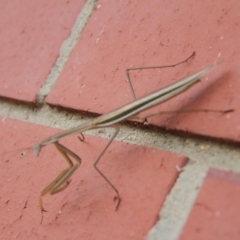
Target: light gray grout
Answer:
pixel 202 153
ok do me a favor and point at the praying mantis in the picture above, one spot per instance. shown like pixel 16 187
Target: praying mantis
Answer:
pixel 112 119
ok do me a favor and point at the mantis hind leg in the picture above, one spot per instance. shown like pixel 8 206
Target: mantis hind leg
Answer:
pixel 144 118
pixel 127 71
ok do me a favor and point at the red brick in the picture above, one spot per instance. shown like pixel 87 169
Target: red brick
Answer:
pixel 31 36
pixel 143 176
pixel 215 214
pixel 121 34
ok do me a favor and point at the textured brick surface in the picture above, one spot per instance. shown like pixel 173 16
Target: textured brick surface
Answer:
pixel 143 176
pixel 159 33
pixel 118 35
pixel 31 36
pixel 215 214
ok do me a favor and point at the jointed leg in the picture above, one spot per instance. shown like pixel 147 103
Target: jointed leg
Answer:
pixel 82 138
pixel 57 184
pixel 166 112
pixel 141 68
pixel 97 161
pixel 180 112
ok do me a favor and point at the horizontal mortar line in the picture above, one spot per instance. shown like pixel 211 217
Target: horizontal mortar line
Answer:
pixel 190 147
pixel 222 155
pixel 60 119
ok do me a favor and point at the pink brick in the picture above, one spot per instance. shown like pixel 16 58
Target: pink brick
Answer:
pixel 215 214
pixel 31 36
pixel 121 34
pixel 144 177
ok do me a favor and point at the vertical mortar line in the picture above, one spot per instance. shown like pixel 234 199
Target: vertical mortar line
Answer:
pixel 178 204
pixel 65 50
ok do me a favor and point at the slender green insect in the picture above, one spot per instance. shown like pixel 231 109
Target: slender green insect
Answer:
pixel 112 119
